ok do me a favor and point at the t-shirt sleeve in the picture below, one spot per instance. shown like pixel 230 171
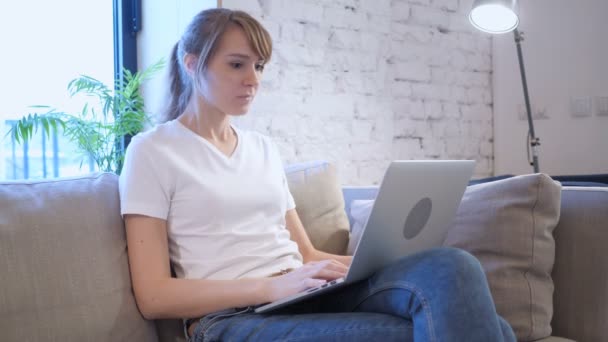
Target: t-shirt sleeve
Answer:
pixel 143 186
pixel 291 204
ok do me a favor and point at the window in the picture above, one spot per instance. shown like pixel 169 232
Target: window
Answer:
pixel 51 44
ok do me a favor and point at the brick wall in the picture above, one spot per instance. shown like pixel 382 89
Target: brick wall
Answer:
pixel 363 82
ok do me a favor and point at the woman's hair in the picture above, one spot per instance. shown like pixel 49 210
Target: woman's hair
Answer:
pixel 201 39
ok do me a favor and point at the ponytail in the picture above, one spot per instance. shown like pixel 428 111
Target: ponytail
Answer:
pixel 179 88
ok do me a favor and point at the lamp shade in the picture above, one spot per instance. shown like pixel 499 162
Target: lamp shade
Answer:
pixel 495 16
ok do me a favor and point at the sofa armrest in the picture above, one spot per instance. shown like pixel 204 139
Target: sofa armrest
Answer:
pixel 580 272
pixel 352 193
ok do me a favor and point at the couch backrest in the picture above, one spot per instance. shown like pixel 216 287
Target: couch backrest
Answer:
pixel 580 272
pixel 64 266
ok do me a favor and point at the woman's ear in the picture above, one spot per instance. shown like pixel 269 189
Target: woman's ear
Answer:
pixel 190 62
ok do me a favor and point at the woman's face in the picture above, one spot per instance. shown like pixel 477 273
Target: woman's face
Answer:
pixel 233 74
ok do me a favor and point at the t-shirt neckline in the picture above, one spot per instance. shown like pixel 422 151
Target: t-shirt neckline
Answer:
pixel 213 147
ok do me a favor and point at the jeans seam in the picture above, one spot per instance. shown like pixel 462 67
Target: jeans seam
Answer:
pixel 416 291
pixel 309 337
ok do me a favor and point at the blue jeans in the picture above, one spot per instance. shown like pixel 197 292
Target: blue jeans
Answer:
pixel 437 295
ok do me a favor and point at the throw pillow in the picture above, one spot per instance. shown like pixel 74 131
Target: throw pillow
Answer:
pixel 508 225
pixel 320 204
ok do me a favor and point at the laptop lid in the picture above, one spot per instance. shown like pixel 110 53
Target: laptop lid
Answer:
pixel 416 203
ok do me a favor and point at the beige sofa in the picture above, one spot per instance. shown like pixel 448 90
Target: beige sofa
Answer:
pixel 65 277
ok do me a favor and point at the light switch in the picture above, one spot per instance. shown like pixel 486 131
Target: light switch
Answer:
pixel 580 107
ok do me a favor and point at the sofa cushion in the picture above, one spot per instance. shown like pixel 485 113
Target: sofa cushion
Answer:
pixel 320 205
pixel 581 280
pixel 64 268
pixel 508 224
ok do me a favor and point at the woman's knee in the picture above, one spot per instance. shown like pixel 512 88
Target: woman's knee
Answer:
pixel 445 264
pixel 438 264
pixel 456 261
pixel 457 257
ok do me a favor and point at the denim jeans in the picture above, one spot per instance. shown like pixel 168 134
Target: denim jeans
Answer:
pixel 436 295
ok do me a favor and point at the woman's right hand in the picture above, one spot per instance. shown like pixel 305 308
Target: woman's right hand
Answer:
pixel 312 274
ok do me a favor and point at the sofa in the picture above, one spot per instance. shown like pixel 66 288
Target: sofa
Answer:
pixel 65 273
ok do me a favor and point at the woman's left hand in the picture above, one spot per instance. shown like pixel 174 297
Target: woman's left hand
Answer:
pixel 317 255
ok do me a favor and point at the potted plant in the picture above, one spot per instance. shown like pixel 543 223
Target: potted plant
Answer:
pixel 96 134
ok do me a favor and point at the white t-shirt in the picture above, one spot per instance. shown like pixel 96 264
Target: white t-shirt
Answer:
pixel 225 215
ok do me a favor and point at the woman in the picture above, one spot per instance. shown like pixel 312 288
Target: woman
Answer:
pixel 212 201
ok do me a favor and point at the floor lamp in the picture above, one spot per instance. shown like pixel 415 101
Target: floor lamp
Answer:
pixel 501 16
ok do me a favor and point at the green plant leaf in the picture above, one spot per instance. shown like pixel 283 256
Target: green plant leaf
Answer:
pixel 25 128
pixel 45 124
pixel 96 135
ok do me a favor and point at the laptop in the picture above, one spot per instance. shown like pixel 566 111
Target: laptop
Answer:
pixel 416 203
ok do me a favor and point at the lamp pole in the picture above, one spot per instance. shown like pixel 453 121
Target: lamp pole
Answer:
pixel 534 141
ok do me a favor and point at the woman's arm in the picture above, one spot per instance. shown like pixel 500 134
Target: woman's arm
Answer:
pixel 158 295
pixel 308 251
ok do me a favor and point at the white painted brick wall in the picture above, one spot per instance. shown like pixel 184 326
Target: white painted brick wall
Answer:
pixel 362 82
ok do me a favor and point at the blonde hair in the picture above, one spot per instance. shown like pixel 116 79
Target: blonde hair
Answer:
pixel 201 38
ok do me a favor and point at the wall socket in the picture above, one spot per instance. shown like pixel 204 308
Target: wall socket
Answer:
pixel 601 105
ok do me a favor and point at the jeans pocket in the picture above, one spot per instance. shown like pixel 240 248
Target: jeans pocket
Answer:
pixel 209 320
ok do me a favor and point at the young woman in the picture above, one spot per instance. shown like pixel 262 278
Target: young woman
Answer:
pixel 212 201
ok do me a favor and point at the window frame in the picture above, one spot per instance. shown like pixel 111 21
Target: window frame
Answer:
pixel 127 24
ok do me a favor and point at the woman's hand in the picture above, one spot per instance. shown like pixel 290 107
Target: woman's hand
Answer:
pixel 312 274
pixel 317 255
